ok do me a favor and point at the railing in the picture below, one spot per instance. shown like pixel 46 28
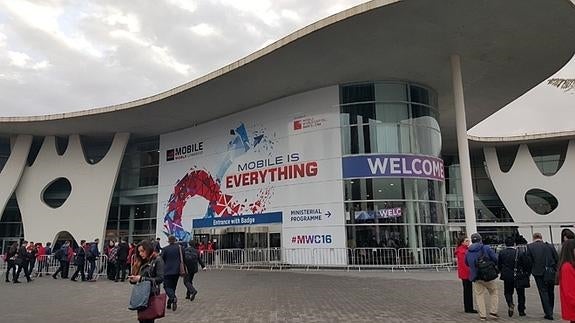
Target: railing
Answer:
pixel 278 258
pixel 348 258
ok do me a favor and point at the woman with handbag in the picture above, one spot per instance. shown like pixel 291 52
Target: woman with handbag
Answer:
pixel 515 268
pixel 148 266
pixel 463 274
pixel 566 279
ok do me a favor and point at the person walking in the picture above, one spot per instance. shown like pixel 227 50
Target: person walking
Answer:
pixel 515 269
pixel 543 257
pixel 147 266
pixel 80 261
pixel 91 257
pixel 122 257
pixel 22 261
pixel 172 260
pixel 483 273
pixel 192 259
pixel 463 274
pixel 567 280
pixel 32 250
pixel 62 256
pixel 11 262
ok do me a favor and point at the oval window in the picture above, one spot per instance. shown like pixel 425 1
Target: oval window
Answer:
pixel 540 201
pixel 57 192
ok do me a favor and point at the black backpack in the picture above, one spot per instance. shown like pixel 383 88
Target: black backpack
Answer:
pixel 486 269
pixel 59 255
pixel 190 256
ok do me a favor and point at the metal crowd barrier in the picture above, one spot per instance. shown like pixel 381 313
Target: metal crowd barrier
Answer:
pixel 48 265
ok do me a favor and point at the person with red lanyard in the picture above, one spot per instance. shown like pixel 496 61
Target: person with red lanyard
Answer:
pixel 41 258
pixel 463 273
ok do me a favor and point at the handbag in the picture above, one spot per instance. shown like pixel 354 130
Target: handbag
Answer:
pixel 550 272
pixel 156 308
pixel 520 276
pixel 140 295
pixel 183 269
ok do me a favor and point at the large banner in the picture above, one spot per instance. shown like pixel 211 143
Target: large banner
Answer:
pixel 276 163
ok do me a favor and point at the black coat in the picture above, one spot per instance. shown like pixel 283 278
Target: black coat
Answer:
pixel 80 257
pixel 192 262
pixel 506 263
pixel 123 252
pixel 153 271
pixel 172 260
pixel 23 255
pixel 541 254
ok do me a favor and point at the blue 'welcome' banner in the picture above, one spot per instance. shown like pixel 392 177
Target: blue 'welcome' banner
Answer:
pixel 396 165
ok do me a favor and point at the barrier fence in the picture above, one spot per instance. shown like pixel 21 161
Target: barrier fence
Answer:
pixel 279 258
pixel 48 265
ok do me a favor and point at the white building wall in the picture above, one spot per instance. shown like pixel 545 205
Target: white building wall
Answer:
pixel 12 171
pixel 524 176
pixel 85 211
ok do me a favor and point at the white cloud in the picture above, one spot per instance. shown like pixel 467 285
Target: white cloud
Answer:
pixel 187 5
pixel 23 60
pixel 160 55
pixel 78 54
pixel 204 30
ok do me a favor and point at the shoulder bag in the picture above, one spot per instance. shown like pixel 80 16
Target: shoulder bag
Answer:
pixel 520 276
pixel 550 271
pixel 140 295
pixel 183 269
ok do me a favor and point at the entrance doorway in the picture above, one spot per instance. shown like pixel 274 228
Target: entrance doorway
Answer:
pixel 241 237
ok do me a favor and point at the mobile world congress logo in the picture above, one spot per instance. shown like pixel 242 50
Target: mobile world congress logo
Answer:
pixel 184 152
pixel 312 239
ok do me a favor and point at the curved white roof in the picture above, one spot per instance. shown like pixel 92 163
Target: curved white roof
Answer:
pixel 544 112
pixel 507 47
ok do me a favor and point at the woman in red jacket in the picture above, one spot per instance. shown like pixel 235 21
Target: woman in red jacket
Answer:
pixel 463 273
pixel 567 280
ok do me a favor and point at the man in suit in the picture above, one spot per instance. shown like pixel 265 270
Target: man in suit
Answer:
pixel 171 256
pixel 191 259
pixel 543 255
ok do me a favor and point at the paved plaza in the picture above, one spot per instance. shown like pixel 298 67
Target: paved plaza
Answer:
pixel 262 296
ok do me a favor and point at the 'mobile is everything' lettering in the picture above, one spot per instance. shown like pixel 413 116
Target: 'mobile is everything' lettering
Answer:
pixel 393 166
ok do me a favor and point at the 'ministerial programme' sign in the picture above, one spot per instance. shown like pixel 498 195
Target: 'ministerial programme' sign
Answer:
pixel 395 165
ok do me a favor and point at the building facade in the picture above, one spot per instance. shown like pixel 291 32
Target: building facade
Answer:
pixel 362 147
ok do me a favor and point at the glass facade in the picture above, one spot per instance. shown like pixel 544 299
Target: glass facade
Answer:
pixel 387 118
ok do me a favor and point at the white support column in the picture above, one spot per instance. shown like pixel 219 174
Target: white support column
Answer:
pixel 462 145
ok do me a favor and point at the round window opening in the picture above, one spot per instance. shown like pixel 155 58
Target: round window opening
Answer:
pixel 540 201
pixel 57 192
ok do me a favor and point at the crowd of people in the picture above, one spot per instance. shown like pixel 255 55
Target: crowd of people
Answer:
pixel 479 267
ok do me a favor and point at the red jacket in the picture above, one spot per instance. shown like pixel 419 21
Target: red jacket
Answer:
pixel 462 268
pixel 567 291
pixel 41 253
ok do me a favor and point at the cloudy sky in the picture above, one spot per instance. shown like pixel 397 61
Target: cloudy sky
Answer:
pixel 66 55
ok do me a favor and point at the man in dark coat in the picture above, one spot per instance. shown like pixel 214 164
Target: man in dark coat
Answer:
pixel 121 263
pixel 80 261
pixel 192 259
pixel 514 267
pixel 171 256
pixel 543 255
pixel 23 262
